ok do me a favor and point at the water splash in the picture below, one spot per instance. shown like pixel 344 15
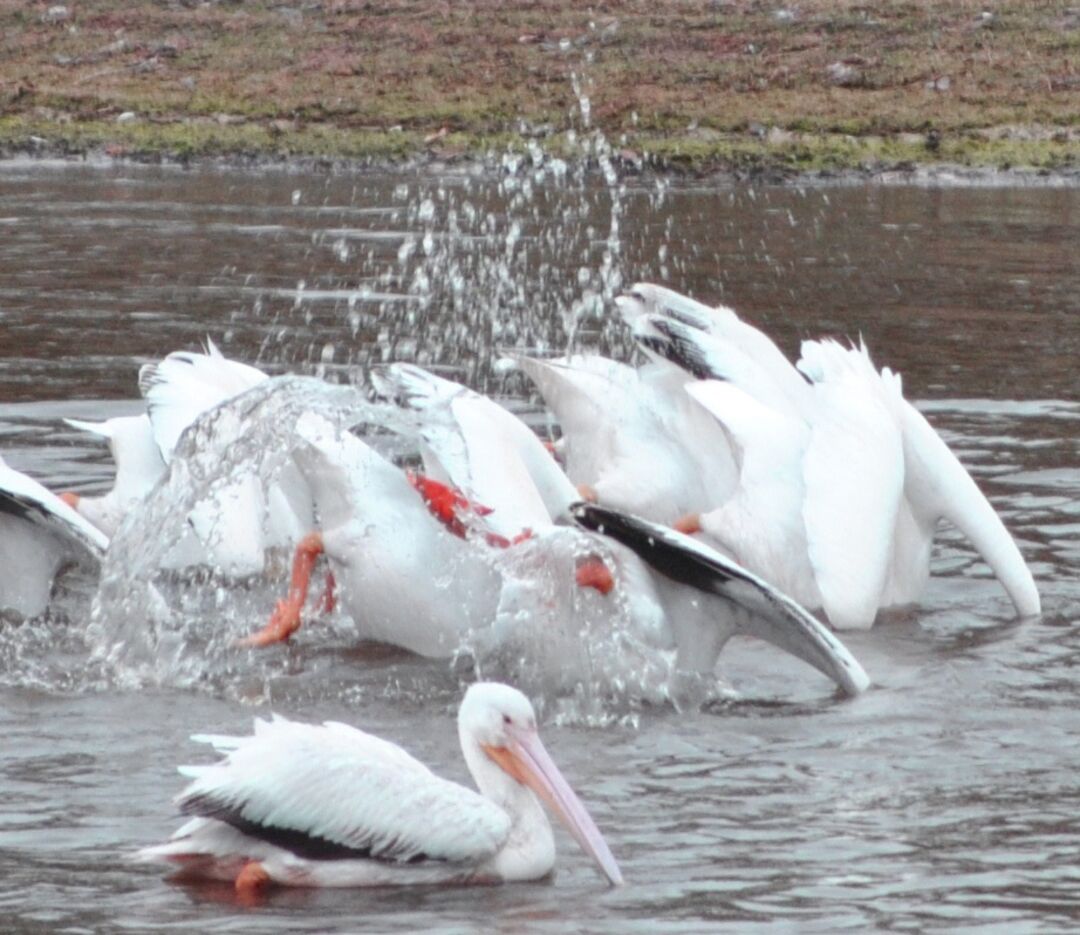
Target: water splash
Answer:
pixel 453 269
pixel 151 623
pixel 587 654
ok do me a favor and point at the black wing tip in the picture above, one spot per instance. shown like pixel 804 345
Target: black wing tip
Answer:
pixel 666 550
pixel 670 338
pixel 596 518
pixel 301 843
pixel 582 512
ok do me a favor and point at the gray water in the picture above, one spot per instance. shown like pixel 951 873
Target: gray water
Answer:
pixel 946 798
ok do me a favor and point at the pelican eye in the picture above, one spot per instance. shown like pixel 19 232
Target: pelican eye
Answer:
pixel 507 719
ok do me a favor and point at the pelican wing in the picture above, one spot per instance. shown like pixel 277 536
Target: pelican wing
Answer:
pixel 633 436
pixel 773 616
pixel 647 298
pixel 853 469
pixel 24 497
pixel 715 341
pixel 485 450
pixel 331 790
pixel 938 485
pixel 184 385
pixel 705 356
pixel 139 464
pixel 591 398
pixel 235 524
pixel 766 441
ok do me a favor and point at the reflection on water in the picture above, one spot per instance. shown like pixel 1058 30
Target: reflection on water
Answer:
pixel 944 799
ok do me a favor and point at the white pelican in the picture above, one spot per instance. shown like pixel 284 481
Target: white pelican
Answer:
pixel 840 481
pixel 330 805
pixel 139 466
pixel 236 524
pixel 406 580
pixel 408 575
pixel 39 535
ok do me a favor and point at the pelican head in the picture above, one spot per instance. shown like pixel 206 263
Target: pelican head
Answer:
pixel 497 725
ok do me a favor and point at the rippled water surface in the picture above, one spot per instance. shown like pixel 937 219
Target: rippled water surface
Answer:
pixel 946 798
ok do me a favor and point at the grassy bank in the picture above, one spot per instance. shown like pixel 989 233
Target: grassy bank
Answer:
pixel 815 84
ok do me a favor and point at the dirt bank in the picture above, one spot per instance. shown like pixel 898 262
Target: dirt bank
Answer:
pixel 744 86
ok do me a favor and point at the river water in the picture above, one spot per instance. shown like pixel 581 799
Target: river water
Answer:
pixel 944 799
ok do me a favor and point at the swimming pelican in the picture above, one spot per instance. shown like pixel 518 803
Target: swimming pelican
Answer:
pixel 332 806
pixel 39 535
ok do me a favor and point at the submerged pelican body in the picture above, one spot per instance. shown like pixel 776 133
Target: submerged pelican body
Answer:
pixel 332 806
pixel 408 580
pixel 230 530
pixel 40 534
pixel 833 484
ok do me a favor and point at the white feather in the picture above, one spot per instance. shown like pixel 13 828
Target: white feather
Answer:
pixel 633 437
pixel 490 454
pixel 853 470
pixel 139 466
pixel 184 385
pixel 346 786
pixel 39 534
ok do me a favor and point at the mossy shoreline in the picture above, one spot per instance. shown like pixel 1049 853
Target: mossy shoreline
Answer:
pixel 787 157
pixel 751 89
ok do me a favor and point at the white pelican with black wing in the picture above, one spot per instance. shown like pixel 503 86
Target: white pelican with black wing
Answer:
pixel 332 806
pixel 39 535
pixel 710 598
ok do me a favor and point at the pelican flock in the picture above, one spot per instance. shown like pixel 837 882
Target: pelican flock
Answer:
pixel 717 489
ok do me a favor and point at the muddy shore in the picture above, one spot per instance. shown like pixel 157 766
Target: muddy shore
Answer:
pixel 745 88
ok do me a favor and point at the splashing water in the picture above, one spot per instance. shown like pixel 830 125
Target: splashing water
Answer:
pixel 589 654
pixel 151 624
pixel 468 264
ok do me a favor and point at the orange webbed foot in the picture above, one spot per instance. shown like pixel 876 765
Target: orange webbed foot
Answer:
pixel 284 622
pixel 250 882
pixel 70 498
